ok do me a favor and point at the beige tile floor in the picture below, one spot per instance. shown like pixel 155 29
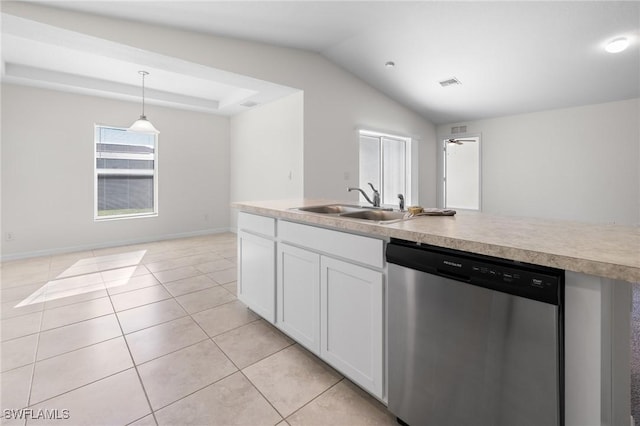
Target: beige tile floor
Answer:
pixel 153 334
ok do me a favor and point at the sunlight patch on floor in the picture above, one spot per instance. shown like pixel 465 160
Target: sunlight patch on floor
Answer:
pixel 85 276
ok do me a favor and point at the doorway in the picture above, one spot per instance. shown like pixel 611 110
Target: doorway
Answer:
pixel 462 173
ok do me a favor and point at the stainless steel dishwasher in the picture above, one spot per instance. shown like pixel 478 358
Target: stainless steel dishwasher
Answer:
pixel 473 340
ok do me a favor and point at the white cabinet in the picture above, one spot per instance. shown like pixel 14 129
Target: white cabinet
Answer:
pixel 256 264
pixel 351 318
pixel 331 299
pixel 322 287
pixel 298 289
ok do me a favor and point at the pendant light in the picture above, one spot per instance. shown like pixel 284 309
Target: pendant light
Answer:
pixel 142 125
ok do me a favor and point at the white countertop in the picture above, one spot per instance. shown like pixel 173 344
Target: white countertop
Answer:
pixel 610 251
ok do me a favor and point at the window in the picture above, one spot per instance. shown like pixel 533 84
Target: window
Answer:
pixel 462 173
pixel 126 182
pixel 385 161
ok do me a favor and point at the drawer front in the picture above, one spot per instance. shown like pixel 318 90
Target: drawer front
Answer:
pixel 366 250
pixel 257 224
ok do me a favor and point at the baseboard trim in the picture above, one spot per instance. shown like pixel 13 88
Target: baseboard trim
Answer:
pixel 71 249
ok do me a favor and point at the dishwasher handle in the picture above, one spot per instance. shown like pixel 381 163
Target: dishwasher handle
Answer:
pixel 453 276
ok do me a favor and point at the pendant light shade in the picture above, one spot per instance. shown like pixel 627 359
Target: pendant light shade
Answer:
pixel 142 125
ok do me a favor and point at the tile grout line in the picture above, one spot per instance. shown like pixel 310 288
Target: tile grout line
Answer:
pixel 35 361
pixel 219 253
pixel 83 385
pixel 238 369
pixel 195 391
pixel 187 314
pixel 282 418
pixel 342 379
pixel 144 390
pixel 35 355
pixel 190 315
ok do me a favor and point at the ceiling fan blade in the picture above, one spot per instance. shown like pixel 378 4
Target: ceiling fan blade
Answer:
pixel 459 141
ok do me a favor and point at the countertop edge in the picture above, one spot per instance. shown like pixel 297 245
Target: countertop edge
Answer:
pixel 602 269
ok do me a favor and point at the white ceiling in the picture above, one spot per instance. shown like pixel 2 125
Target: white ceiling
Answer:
pixel 511 57
pixel 44 56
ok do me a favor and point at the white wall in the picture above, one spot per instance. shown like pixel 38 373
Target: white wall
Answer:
pixel 266 147
pixel 577 163
pixel 47 172
pixel 267 151
pixel 335 101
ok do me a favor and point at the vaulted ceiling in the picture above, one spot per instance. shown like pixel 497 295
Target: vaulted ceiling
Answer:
pixel 510 57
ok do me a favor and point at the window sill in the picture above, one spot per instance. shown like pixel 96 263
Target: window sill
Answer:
pixel 124 216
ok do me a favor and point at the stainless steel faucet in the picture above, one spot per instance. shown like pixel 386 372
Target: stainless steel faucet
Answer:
pixel 376 195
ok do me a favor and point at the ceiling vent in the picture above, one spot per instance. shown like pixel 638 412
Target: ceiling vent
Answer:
pixel 249 104
pixel 450 82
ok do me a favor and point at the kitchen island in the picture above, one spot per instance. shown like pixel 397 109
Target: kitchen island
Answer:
pixel 600 263
pixel 609 251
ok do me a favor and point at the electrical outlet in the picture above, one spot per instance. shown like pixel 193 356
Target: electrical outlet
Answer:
pixel 9 236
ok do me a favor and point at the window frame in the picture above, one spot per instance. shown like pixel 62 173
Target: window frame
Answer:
pixel 98 218
pixel 411 156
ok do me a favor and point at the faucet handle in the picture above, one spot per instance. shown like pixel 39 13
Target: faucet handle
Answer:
pixel 376 196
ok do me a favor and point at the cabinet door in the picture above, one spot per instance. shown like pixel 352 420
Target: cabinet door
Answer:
pixel 256 274
pixel 299 295
pixel 351 318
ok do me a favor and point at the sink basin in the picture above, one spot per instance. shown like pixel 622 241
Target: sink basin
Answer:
pixel 351 211
pixel 331 209
pixel 378 215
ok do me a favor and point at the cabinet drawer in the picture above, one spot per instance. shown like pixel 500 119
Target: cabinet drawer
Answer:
pixel 366 250
pixel 257 224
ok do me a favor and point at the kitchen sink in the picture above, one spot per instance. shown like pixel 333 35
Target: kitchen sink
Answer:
pixel 377 215
pixel 331 209
pixel 350 211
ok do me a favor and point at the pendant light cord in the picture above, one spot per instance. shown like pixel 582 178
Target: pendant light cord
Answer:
pixel 143 125
pixel 143 74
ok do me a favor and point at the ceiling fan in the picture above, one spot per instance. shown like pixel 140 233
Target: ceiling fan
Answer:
pixel 460 141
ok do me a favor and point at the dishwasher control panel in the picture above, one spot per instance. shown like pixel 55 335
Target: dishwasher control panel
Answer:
pixel 521 279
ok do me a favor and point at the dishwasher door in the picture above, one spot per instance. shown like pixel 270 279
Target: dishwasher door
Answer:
pixel 462 355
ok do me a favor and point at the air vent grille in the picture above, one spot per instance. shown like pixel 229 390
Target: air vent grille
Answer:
pixel 450 82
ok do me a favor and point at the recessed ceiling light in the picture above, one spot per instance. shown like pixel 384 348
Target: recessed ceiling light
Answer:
pixel 617 45
pixel 390 64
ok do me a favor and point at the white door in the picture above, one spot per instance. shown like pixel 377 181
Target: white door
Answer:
pixel 299 295
pixel 351 318
pixel 256 274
